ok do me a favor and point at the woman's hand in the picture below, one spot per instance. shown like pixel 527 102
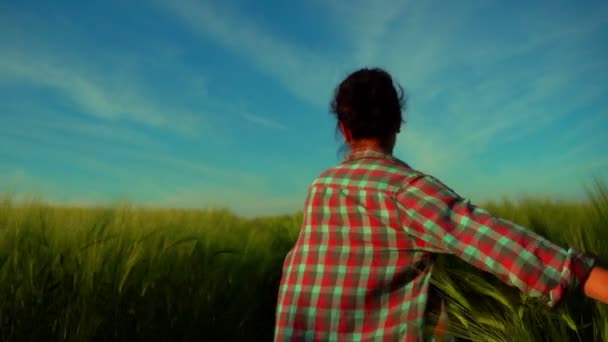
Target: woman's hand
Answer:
pixel 596 286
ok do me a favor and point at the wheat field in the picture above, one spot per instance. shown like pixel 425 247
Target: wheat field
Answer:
pixel 126 273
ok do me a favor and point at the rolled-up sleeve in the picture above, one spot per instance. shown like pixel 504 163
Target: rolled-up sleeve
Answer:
pixel 443 222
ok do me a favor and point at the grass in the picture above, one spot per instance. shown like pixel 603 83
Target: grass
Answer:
pixel 127 273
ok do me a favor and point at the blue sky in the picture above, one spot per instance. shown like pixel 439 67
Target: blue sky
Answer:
pixel 226 103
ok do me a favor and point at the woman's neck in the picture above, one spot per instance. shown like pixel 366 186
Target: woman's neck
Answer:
pixel 371 144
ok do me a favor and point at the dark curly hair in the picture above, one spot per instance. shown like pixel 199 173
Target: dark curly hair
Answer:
pixel 368 103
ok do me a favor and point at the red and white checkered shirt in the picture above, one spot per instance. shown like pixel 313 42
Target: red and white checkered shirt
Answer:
pixel 361 267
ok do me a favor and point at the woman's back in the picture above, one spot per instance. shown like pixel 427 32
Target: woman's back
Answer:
pixel 360 275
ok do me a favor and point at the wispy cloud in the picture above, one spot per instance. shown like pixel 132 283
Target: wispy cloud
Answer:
pixel 134 116
pixel 551 176
pixel 457 113
pixel 365 24
pixel 94 92
pixel 262 121
pixel 432 61
pixel 145 174
pixel 306 74
pixel 139 162
pixel 34 120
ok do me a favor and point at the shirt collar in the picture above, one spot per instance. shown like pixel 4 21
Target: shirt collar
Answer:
pixel 373 154
pixel 368 153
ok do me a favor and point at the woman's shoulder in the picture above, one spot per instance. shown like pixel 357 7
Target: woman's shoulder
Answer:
pixel 391 172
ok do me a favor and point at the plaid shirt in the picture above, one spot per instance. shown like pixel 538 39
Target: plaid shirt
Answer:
pixel 361 267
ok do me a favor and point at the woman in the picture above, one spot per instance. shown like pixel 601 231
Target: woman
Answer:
pixel 361 267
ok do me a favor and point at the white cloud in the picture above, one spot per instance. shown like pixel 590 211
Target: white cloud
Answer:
pixel 147 162
pixel 33 120
pixel 94 91
pixel 508 104
pixel 420 43
pixel 306 74
pixel 365 24
pixel 262 121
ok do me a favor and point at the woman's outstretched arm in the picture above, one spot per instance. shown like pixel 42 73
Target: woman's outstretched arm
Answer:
pixel 441 221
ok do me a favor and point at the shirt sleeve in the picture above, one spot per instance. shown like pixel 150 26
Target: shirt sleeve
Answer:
pixel 443 222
